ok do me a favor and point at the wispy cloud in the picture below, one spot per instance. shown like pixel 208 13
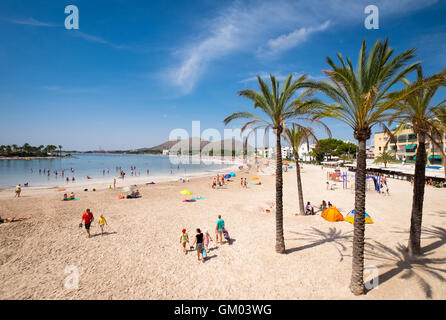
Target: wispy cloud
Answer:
pixel 283 24
pixel 96 39
pixel 290 40
pixel 31 22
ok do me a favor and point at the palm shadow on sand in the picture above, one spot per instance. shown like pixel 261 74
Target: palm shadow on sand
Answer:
pixel 401 263
pixel 428 233
pixel 316 237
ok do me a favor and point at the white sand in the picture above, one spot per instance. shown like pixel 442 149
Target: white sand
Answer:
pixel 141 257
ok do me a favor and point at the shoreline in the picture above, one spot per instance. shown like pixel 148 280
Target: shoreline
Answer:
pixel 104 183
pixel 233 165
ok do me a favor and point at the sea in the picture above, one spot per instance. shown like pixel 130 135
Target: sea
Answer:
pixel 102 167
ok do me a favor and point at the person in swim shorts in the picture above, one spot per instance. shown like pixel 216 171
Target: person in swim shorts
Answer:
pixel 102 223
pixel 88 218
pixel 219 229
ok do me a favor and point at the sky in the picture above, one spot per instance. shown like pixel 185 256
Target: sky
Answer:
pixel 136 70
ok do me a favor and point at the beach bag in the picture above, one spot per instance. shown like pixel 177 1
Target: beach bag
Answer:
pixel 204 252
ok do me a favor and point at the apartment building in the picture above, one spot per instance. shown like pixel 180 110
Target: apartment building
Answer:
pixel 405 146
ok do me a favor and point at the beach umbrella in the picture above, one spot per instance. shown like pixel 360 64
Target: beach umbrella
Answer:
pixel 232 174
pixel 186 192
pixel 255 178
pixel 227 176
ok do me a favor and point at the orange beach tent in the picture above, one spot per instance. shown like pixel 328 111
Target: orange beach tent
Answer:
pixel 332 214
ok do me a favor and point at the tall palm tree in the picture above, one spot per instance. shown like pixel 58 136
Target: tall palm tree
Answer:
pixel 360 100
pixel 296 136
pixel 417 113
pixel 280 108
pixel 60 150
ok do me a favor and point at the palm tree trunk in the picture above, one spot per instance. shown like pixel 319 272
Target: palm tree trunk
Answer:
pixel 280 241
pixel 357 279
pixel 418 198
pixel 299 185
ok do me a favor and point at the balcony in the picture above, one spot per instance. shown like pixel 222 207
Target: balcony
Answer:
pixel 412 137
pixel 402 138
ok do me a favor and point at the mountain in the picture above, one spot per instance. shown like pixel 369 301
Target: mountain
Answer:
pixel 190 144
pixel 193 143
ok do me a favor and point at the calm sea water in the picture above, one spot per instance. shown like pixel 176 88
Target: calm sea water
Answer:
pixel 13 172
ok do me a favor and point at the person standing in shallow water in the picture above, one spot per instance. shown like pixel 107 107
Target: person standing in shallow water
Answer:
pixel 18 190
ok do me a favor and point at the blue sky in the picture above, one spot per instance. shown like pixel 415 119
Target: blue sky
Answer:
pixel 135 70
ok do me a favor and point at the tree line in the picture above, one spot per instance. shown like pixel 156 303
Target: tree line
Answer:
pixel 28 150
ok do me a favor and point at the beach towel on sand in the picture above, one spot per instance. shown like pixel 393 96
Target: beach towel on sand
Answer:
pixel 70 199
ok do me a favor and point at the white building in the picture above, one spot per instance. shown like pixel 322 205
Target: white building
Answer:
pixel 287 152
pixel 265 152
pixel 305 151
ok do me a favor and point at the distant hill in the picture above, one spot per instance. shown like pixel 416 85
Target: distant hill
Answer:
pixel 190 144
pixel 193 143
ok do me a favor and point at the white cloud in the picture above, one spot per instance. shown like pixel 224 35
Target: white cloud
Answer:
pixel 31 22
pixel 291 40
pixel 283 24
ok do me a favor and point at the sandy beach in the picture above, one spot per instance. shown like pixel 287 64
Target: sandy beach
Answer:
pixel 140 256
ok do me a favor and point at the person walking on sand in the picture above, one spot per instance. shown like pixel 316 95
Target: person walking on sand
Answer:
pixel 207 239
pixel 184 239
pixel 102 223
pixel 88 218
pixel 219 229
pixel 18 190
pixel 199 247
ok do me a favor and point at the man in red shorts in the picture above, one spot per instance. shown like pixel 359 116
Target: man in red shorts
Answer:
pixel 88 218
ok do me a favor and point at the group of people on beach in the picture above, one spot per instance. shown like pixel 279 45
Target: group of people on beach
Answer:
pixel 218 181
pixel 309 209
pixel 202 240
pixel 88 218
pixel 244 182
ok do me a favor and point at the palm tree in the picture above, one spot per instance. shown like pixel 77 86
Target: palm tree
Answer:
pixel 60 150
pixel 360 99
pixel 296 136
pixel 279 108
pixel 26 148
pixel 385 157
pixel 417 113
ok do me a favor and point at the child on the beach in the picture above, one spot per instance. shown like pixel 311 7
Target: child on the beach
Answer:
pixel 207 239
pixel 184 238
pixel 102 223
